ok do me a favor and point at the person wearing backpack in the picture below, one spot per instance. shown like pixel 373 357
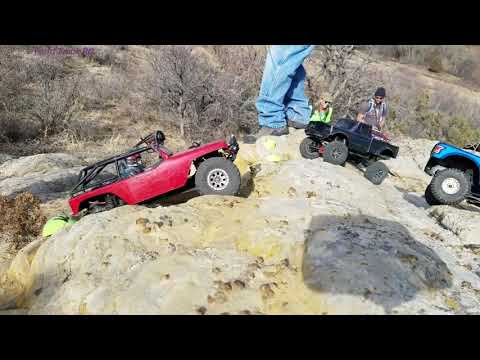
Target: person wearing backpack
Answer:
pixel 375 111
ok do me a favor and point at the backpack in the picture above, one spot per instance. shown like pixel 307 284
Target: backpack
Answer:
pixel 371 107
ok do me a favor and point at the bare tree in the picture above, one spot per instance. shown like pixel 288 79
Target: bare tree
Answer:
pixel 12 89
pixel 57 98
pixel 244 61
pixel 195 88
pixel 175 81
pixel 343 72
pixel 36 94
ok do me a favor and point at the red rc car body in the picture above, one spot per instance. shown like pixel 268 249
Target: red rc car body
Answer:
pixel 170 173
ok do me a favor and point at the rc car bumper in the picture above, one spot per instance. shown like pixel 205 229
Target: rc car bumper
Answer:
pixel 318 130
pixel 432 166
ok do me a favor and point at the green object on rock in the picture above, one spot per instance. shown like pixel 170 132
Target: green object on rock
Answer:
pixel 55 224
pixel 325 117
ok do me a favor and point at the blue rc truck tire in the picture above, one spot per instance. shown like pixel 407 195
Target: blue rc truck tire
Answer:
pixel 450 186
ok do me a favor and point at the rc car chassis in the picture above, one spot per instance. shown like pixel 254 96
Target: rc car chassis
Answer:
pixel 349 140
pixel 209 167
pixel 455 174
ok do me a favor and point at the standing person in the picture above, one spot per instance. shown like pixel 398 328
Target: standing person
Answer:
pixel 323 109
pixel 375 111
pixel 282 101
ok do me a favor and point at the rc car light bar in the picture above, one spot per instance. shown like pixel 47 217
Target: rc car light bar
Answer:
pixel 437 149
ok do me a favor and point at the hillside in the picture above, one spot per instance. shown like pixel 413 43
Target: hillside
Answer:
pixel 449 93
pixel 303 237
pixel 122 92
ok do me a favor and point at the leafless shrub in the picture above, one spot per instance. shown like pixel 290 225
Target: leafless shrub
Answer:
pixel 434 62
pixel 340 71
pixel 13 88
pixel 437 115
pixel 38 96
pixel 107 54
pixel 21 219
pixel 176 79
pixel 205 100
pixel 103 91
pixel 467 69
pixel 244 61
pixel 57 97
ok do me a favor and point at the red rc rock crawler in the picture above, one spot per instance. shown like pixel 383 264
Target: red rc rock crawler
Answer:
pixel 111 183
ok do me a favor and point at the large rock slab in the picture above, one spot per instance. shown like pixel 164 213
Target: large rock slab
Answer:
pixel 463 223
pixel 305 237
pixel 44 175
pixel 5 157
pixel 41 163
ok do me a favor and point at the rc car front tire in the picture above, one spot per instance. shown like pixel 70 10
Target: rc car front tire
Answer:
pixel 429 198
pixel 450 186
pixel 309 149
pixel 217 176
pixel 336 153
pixel 376 172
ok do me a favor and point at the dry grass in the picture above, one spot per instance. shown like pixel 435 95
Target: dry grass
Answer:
pixel 123 138
pixel 124 92
pixel 453 107
pixel 458 60
pixel 21 219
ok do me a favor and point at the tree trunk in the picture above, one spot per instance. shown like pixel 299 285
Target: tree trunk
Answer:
pixel 182 127
pixel 182 117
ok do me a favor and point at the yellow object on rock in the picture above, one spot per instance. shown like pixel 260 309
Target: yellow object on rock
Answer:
pixel 274 158
pixel 269 143
pixel 55 224
pixel 267 149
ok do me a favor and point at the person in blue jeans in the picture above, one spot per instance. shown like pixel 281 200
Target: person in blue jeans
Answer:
pixel 282 101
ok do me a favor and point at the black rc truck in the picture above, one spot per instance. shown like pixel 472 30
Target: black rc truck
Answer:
pixel 347 139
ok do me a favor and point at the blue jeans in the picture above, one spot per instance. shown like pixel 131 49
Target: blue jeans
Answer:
pixel 282 93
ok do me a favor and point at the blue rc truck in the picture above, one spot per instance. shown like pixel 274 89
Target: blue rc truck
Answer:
pixel 455 174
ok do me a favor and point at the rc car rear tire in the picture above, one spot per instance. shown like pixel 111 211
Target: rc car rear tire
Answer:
pixel 430 198
pixel 217 176
pixel 376 172
pixel 450 186
pixel 309 148
pixel 336 153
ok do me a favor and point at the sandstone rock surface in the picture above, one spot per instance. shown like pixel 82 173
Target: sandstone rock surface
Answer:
pixel 306 237
pixel 46 175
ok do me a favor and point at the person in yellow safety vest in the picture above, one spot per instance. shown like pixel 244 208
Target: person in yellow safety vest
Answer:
pixel 324 109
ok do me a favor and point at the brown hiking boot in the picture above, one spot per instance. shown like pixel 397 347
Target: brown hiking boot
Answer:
pixel 296 125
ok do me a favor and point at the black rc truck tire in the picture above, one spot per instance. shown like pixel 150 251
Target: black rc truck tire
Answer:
pixel 309 149
pixel 217 176
pixel 336 153
pixel 429 198
pixel 376 172
pixel 455 180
